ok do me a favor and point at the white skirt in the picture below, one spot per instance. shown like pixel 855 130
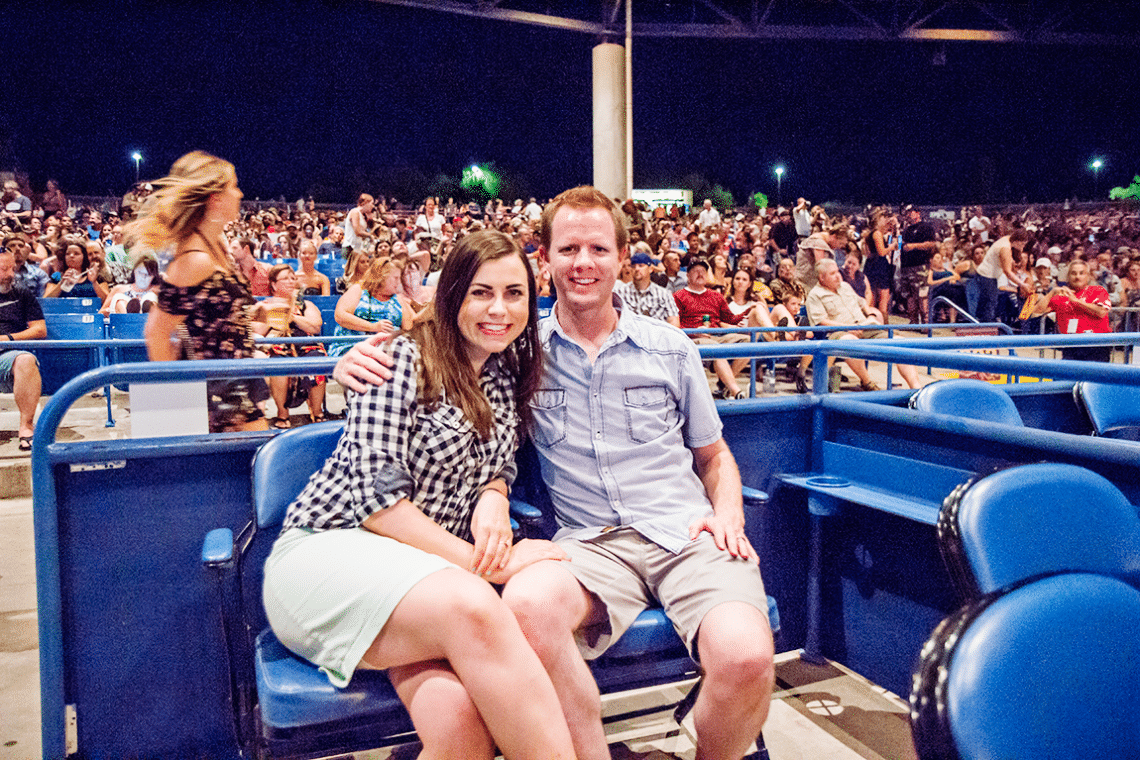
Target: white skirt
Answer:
pixel 328 594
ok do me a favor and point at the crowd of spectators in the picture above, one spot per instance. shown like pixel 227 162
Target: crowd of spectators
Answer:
pixel 762 264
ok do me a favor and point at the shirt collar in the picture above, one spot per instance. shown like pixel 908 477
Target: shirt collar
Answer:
pixel 630 326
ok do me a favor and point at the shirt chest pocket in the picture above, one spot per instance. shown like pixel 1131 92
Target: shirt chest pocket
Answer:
pixel 548 407
pixel 649 413
pixel 449 440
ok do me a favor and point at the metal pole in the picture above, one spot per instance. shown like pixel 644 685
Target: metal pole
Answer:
pixel 628 99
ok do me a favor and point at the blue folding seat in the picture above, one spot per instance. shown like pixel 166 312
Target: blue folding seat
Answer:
pixel 1113 410
pixel 971 399
pixel 1034 519
pixel 58 365
pixel 1046 669
pixel 70 305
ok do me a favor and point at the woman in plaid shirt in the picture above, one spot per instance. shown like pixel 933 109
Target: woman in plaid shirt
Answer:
pixel 386 558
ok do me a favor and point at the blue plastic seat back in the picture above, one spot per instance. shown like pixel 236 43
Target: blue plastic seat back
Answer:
pixel 1046 670
pixel 1113 410
pixel 70 305
pixel 1038 518
pixel 971 399
pixel 59 365
pixel 331 268
pixel 284 464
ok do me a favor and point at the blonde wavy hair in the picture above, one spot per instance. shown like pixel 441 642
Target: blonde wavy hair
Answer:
pixel 175 211
pixel 378 271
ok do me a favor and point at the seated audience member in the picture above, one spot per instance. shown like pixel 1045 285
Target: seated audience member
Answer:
pixel 386 559
pixel 852 270
pixel 943 281
pixel 74 275
pixel 255 272
pixel 698 306
pixel 376 304
pixel 785 282
pixel 415 291
pixel 142 293
pixel 20 319
pixel 29 276
pixel 1081 307
pixel 105 275
pixel 286 313
pixel 747 262
pixel 311 282
pixel 646 297
pixel 14 205
pixel 833 303
pixel 671 278
pixel 332 244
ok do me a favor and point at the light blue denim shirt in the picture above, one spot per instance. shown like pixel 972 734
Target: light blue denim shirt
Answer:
pixel 614 437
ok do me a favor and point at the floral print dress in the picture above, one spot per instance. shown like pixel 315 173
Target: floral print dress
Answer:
pixel 217 326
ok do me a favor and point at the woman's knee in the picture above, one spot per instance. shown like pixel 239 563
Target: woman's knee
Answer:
pixel 470 606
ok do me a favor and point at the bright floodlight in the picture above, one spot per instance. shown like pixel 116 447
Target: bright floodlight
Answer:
pixel 779 170
pixel 136 156
pixel 1097 164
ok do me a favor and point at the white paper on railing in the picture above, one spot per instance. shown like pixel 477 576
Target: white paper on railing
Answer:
pixel 166 409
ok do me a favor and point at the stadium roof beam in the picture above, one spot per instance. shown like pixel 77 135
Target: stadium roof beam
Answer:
pixel 1041 22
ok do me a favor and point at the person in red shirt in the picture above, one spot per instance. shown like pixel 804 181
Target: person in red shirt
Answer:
pixel 699 306
pixel 1080 308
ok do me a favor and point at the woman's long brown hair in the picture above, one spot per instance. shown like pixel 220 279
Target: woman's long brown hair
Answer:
pixel 445 370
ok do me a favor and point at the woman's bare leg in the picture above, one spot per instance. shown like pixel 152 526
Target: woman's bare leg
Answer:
pixel 317 400
pixel 447 721
pixel 279 390
pixel 451 615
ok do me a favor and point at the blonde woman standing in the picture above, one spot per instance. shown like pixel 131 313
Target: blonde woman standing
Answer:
pixel 202 301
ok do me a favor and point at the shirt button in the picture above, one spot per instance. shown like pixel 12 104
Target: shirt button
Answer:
pixel 598 434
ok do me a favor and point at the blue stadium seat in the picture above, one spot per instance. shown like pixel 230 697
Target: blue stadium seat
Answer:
pixel 1045 670
pixel 327 305
pixel 1024 521
pixel 1113 410
pixel 293 262
pixel 971 399
pixel 127 327
pixel 59 365
pixel 70 305
pixel 290 706
pixel 331 267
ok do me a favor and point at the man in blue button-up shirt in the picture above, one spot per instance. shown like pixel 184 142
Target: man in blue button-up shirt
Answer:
pixel 646 493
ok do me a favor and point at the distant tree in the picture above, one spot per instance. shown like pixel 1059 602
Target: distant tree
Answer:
pixel 481 181
pixel 1132 192
pixel 721 198
pixel 759 200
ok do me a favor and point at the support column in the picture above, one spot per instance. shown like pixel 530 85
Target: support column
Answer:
pixel 610 159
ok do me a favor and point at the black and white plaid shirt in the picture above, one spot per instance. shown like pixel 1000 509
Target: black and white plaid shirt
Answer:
pixel 655 301
pixel 395 447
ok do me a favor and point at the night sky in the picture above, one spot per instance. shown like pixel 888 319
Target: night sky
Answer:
pixel 335 97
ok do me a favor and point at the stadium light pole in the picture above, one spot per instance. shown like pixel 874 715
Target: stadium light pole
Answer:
pixel 136 157
pixel 779 182
pixel 1096 164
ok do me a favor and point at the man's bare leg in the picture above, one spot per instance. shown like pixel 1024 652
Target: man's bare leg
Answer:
pixel 550 605
pixel 726 376
pixel 736 651
pixel 26 386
